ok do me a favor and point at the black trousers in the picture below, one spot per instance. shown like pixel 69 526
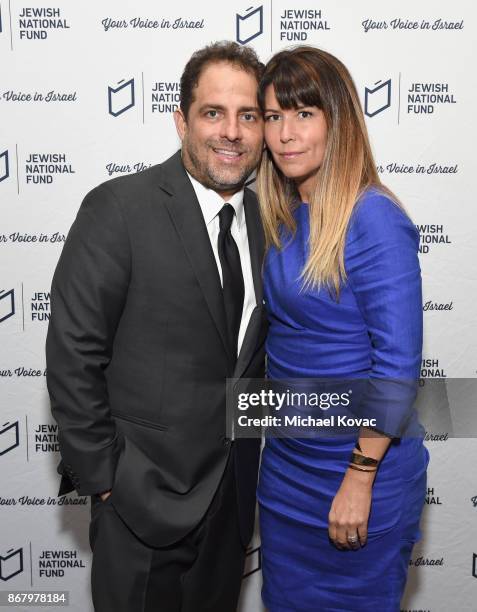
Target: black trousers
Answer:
pixel 200 573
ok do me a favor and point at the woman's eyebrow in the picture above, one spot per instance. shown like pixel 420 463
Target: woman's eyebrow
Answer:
pixel 299 107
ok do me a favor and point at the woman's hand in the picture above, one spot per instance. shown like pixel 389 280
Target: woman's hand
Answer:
pixel 349 514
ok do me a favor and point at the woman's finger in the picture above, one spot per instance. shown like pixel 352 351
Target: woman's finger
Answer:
pixel 363 534
pixel 353 538
pixel 341 537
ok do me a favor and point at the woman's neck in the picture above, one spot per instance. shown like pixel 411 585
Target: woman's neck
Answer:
pixel 306 187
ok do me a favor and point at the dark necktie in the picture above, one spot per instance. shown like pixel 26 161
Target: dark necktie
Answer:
pixel 232 278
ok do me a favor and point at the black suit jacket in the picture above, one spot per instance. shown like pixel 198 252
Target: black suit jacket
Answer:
pixel 137 356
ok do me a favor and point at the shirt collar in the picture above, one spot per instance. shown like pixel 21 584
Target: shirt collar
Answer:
pixel 211 202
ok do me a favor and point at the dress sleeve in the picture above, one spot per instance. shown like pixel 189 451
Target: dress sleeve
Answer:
pixel 382 265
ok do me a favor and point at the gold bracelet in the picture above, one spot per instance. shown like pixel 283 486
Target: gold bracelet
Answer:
pixel 363 460
pixel 354 467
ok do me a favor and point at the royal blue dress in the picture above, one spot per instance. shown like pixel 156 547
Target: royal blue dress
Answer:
pixel 374 330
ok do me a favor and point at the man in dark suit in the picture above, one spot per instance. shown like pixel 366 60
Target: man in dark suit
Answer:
pixel 156 301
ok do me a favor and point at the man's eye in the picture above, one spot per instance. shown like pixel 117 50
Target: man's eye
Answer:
pixel 249 117
pixel 212 114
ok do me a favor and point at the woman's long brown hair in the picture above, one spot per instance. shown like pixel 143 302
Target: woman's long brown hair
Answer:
pixel 307 76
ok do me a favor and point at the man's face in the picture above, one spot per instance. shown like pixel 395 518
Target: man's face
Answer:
pixel 222 136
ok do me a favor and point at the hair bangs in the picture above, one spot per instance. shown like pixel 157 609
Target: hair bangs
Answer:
pixel 294 85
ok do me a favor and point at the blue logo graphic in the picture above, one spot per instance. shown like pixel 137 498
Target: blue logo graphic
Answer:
pixel 253 561
pixel 4 166
pixel 7 304
pixel 378 98
pixel 11 564
pixel 121 98
pixel 9 437
pixel 249 25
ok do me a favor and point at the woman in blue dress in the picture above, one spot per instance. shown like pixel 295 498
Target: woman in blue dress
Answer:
pixel 339 515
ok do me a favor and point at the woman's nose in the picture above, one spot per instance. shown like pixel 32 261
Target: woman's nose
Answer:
pixel 286 131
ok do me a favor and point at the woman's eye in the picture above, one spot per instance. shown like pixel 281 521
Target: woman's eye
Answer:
pixel 304 114
pixel 272 118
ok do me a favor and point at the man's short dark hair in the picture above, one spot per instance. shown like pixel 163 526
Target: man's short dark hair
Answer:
pixel 223 51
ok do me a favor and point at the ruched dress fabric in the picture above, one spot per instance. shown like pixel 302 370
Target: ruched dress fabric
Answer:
pixel 374 330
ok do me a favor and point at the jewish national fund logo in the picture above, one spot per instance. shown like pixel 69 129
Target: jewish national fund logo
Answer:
pixel 121 97
pixel 249 25
pixel 377 98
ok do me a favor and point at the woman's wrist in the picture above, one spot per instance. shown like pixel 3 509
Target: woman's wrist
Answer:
pixel 362 477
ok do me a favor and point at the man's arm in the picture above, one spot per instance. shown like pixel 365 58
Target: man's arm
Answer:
pixel 88 293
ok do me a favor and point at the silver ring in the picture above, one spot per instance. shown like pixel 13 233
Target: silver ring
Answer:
pixel 353 538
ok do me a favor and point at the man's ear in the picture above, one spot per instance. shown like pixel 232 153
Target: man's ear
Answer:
pixel 181 124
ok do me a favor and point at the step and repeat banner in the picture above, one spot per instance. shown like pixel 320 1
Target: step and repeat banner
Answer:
pixel 87 92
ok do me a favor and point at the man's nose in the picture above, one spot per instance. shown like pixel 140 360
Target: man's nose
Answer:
pixel 230 128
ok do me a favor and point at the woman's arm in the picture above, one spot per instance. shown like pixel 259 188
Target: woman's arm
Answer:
pixel 384 275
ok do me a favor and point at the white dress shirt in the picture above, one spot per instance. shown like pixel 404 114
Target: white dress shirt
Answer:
pixel 211 204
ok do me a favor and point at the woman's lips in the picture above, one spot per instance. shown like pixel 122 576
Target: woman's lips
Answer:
pixel 291 154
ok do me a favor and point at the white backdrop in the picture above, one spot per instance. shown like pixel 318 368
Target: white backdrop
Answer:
pixel 86 93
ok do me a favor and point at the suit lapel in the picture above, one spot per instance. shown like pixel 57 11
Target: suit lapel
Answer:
pixel 186 215
pixel 256 244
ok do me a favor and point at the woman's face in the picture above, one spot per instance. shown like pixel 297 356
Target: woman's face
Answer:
pixel 297 140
